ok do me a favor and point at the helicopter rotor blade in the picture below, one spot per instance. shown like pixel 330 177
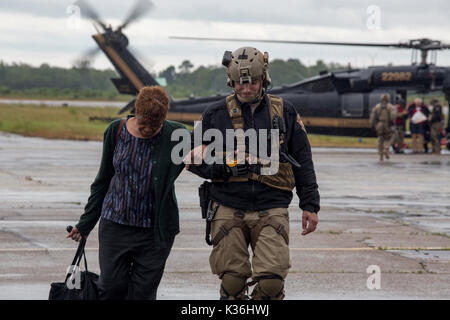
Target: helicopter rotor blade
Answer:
pixel 140 8
pixel 85 61
pixel 146 62
pixel 289 41
pixel 420 44
pixel 87 10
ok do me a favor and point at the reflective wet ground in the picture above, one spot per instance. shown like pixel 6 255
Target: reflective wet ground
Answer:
pixel 412 188
pixel 65 103
pixel 394 214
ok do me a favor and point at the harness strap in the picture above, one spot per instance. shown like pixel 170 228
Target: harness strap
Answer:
pixel 255 280
pixel 236 222
pixel 266 220
pixel 235 112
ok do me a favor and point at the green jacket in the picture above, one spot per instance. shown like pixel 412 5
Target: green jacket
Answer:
pixel 165 217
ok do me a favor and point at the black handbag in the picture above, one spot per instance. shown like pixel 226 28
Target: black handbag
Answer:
pixel 79 285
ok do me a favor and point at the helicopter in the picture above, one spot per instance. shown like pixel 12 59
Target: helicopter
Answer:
pixel 332 103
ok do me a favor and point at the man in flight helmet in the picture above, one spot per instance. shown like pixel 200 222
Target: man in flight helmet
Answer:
pixel 246 207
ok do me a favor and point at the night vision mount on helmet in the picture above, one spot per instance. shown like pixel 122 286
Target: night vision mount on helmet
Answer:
pixel 245 65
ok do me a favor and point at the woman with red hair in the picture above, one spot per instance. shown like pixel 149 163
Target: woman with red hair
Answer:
pixel 133 196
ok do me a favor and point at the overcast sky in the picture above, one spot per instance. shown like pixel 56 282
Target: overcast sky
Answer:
pixel 38 31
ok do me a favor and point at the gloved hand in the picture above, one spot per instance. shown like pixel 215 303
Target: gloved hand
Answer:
pixel 237 170
pixel 255 168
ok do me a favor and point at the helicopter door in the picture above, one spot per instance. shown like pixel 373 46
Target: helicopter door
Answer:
pixel 352 105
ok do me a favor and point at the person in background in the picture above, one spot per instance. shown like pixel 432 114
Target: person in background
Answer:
pixel 448 120
pixel 133 195
pixel 436 119
pixel 448 129
pixel 399 123
pixel 418 114
pixel 382 119
pixel 426 132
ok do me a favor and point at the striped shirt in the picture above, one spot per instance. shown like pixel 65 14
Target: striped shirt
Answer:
pixel 129 197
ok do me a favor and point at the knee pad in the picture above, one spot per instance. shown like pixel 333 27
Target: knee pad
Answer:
pixel 269 288
pixel 233 287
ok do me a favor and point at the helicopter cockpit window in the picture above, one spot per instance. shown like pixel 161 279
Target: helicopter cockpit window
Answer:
pixel 352 105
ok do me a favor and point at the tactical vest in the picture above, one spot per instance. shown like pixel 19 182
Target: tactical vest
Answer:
pixel 383 119
pixel 284 178
pixel 383 114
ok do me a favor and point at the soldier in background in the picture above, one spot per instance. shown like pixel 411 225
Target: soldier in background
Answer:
pixel 382 120
pixel 426 131
pixel 448 130
pixel 436 119
pixel 399 133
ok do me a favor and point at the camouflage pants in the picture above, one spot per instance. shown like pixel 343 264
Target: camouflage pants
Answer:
pixel 231 253
pixel 434 134
pixel 399 136
pixel 384 142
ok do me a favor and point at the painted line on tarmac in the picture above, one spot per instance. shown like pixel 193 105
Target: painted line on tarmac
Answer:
pixel 208 249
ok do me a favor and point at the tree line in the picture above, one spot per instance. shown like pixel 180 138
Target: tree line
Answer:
pixel 23 80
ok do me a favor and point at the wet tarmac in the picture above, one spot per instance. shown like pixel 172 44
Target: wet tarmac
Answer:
pixel 394 214
pixel 65 103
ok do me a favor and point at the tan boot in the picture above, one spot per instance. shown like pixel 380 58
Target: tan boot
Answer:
pixel 381 157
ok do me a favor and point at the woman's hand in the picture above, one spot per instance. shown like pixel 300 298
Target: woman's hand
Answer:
pixel 75 235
